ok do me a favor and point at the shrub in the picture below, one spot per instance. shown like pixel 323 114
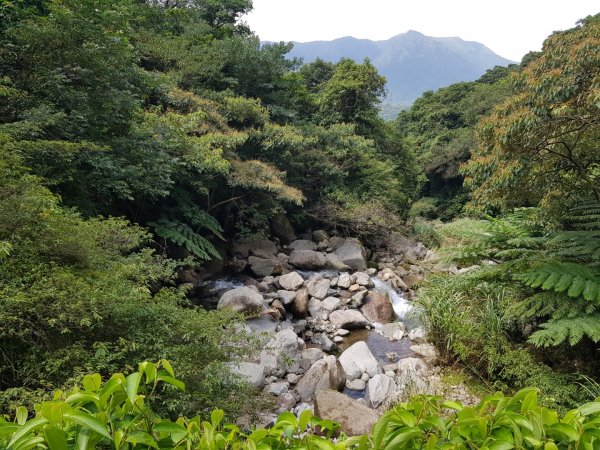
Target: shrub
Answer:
pixel 118 414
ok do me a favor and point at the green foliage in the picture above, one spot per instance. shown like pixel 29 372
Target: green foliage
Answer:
pixel 118 413
pixel 440 129
pixel 181 234
pixel 539 147
pixel 559 268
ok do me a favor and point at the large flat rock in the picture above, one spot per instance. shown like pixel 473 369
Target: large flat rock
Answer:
pixel 355 418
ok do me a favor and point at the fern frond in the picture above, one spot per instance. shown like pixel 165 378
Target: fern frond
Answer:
pixel 577 280
pixel 183 235
pixel 572 330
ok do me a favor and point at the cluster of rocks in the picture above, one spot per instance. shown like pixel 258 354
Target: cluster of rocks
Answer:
pixel 303 316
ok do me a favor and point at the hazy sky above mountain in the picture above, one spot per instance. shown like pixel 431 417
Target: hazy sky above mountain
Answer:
pixel 510 28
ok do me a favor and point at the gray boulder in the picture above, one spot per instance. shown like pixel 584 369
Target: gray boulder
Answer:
pixel 333 261
pixel 286 297
pixel 320 235
pixel 358 359
pixel 282 352
pixel 379 388
pixel 318 287
pixel 326 373
pixel 394 330
pixel 315 307
pixel 310 356
pixel 344 280
pixel 354 417
pixel 353 254
pixel 331 304
pixel 242 299
pixel 262 267
pixel 252 373
pixel 282 228
pixel 303 244
pixel 307 259
pixel 291 281
pixel 244 247
pixel 348 319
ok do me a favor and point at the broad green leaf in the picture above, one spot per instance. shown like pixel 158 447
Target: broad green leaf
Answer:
pixel 88 421
pixel 8 428
pixel 32 442
pixel 403 436
pixel 92 382
pixel 21 415
pixel 589 408
pixel 216 417
pixel 168 427
pixel 562 431
pixel 141 437
pixel 83 438
pixel 55 437
pixel 132 384
pixel 304 419
pixel 28 427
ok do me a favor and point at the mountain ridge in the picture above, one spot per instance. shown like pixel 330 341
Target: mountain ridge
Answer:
pixel 412 62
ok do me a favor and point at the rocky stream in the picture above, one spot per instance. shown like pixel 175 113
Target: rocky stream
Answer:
pixel 337 336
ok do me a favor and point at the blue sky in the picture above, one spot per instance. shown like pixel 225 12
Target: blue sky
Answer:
pixel 510 28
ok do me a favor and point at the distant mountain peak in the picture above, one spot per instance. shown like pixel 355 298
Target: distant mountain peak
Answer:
pixel 411 61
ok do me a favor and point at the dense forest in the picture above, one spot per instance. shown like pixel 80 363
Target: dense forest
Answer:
pixel 140 139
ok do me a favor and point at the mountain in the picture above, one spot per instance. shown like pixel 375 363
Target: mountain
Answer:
pixel 412 62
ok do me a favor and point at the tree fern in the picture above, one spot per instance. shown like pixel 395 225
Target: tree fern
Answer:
pixel 572 330
pixel 183 235
pixel 559 270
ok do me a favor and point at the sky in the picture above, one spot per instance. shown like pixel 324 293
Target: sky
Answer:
pixel 511 28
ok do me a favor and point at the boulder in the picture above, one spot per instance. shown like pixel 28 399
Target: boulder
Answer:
pixel 379 388
pixel 243 248
pixel 300 302
pixel 277 388
pixel 318 287
pixel 262 267
pixel 315 307
pixel 336 241
pixel 242 299
pixel 354 417
pixel 413 366
pixel 326 373
pixel 303 244
pixel 411 280
pixel 310 356
pixel 344 280
pixel 331 304
pixel 353 254
pixel 378 308
pixel 427 351
pixel 320 235
pixel 358 359
pixel 307 259
pixel 285 402
pixel 333 261
pixel 253 374
pixel 291 281
pixel 282 228
pixel 349 319
pixel 394 330
pixel 324 341
pixel 362 279
pixel 286 297
pixel 417 335
pixel 282 352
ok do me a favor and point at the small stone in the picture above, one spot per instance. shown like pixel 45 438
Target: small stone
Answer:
pixel 356 385
pixel 291 281
pixel 286 297
pixel 277 388
pixel 315 307
pixel 292 378
pixel 365 377
pixel 342 332
pixel 338 339
pixel 331 304
pixel 362 279
pixel 417 335
pixel 354 287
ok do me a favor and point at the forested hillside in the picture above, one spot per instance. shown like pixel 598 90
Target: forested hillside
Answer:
pixel 140 141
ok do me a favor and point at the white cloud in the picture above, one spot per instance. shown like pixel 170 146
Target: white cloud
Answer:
pixel 511 28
